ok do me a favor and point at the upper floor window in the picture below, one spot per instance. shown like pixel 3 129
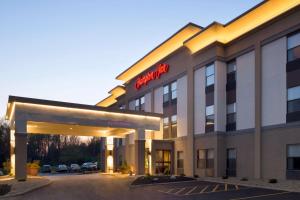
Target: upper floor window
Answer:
pixel 122 107
pixel 210 74
pixel 293 47
pixel 294 99
pixel 174 90
pixel 166 93
pixel 170 93
pixel 231 71
pixel 231 117
pixel 231 67
pixel 210 118
pixel 140 104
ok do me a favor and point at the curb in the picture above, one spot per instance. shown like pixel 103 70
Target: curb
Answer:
pixel 27 191
pixel 250 185
pixel 151 184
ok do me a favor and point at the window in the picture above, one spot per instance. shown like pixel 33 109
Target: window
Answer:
pixel 210 75
pixel 293 99
pixel 210 118
pixel 166 93
pixel 231 117
pixel 170 93
pixel 166 127
pixel 163 162
pixel 140 104
pixel 174 126
pixel 293 157
pixel 205 159
pixel 231 67
pixel 293 45
pixel 122 107
pixel 231 72
pixel 231 162
pixel 180 159
pixel 174 90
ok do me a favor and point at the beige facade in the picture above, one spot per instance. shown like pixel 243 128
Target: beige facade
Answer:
pixel 262 133
pixel 222 101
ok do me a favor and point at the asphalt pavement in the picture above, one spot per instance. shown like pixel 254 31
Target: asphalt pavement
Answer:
pixel 115 187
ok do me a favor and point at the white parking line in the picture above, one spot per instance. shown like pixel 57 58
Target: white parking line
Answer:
pixel 180 190
pixel 169 191
pixel 203 190
pixel 215 188
pixel 192 190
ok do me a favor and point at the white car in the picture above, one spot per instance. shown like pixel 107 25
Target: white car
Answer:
pixel 62 168
pixel 75 168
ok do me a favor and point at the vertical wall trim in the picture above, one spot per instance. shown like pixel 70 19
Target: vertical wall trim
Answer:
pixel 258 100
pixel 189 150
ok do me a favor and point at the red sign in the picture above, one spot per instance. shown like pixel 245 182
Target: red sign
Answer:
pixel 143 80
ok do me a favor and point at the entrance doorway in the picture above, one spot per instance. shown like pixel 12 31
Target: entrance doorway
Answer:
pixel 163 162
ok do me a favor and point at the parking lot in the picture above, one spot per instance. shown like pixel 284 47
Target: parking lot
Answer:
pixel 104 186
pixel 211 191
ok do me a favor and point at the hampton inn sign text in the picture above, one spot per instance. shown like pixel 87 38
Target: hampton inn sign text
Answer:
pixel 153 75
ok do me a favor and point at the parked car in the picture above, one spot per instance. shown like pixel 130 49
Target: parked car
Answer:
pixel 88 166
pixel 62 168
pixel 46 169
pixel 75 168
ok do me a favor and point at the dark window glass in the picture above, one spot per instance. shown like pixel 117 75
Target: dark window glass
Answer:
pixel 205 159
pixel 210 74
pixel 231 117
pixel 293 157
pixel 210 118
pixel 122 107
pixel 293 46
pixel 180 159
pixel 293 99
pixel 174 90
pixel 231 162
pixel 231 67
pixel 166 94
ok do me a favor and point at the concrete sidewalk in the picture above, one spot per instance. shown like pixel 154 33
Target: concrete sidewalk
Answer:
pixel 285 185
pixel 20 188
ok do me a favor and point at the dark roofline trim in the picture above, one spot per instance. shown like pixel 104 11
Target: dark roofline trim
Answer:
pixel 12 99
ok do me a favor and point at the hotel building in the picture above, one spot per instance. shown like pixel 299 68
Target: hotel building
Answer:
pixel 209 101
pixel 229 95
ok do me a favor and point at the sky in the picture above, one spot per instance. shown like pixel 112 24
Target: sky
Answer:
pixel 72 50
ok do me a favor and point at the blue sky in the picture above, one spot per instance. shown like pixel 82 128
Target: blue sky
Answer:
pixel 71 50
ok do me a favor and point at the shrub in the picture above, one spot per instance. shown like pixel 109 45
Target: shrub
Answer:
pixel 196 176
pixel 124 169
pixel 244 179
pixel 273 180
pixel 182 175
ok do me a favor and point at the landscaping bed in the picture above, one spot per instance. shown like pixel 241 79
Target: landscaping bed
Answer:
pixel 143 180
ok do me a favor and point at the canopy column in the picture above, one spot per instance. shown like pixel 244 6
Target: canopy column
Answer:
pixel 139 144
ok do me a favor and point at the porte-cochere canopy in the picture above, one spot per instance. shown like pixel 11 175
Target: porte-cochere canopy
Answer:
pixel 36 116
